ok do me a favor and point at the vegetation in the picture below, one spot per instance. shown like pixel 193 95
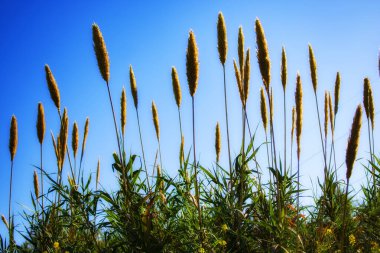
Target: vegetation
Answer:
pixel 218 209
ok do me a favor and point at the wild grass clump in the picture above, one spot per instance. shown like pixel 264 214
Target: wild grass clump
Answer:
pixel 241 206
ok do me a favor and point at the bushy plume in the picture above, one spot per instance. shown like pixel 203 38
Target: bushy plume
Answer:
pixel 263 108
pixel 132 81
pixel 353 141
pixel 40 123
pixel 218 141
pixel 239 83
pixel 294 118
pixel 313 68
pixel 336 93
pixel 176 87
pixel 263 54
pixel 75 139
pixel 247 73
pixel 123 110
pixel 284 73
pixel 53 87
pixel 241 51
pixel 331 113
pixel 5 221
pixel 13 138
pixel 326 104
pixel 36 185
pixel 222 39
pixel 192 64
pixel 155 120
pixel 101 52
pixel 368 101
pixel 299 111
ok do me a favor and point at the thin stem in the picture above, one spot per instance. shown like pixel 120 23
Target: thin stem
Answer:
pixel 271 128
pixel 159 151
pixel 10 203
pixel 320 131
pixel 298 198
pixel 180 122
pixel 142 147
pixel 373 154
pixel 370 149
pixel 226 110
pixel 343 239
pixel 196 177
pixel 266 144
pixel 42 182
pixel 67 149
pixel 284 130
pixel 291 156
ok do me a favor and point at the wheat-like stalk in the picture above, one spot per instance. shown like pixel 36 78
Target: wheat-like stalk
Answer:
pixel 284 73
pixel 263 54
pixel 123 110
pixel 176 87
pixel 353 141
pixel 192 64
pixel 85 134
pixel 313 68
pixel 326 111
pixel 247 73
pixel 222 39
pixel 36 185
pixel 239 83
pixel 218 142
pixel 294 117
pixel 331 114
pixel 367 87
pixel 101 53
pixel 241 51
pixel 40 123
pixel 371 105
pixel 155 120
pixel 336 93
pixel 75 139
pixel 132 80
pixel 263 109
pixel 5 221
pixel 53 87
pixel 299 112
pixel 13 138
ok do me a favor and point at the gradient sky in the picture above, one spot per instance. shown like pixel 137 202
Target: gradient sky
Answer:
pixel 153 37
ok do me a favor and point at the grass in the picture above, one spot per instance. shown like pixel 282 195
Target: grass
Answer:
pixel 217 209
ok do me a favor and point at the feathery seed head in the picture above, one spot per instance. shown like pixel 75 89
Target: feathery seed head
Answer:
pixel 5 221
pixel 367 87
pixel 36 185
pixel 86 126
pixel 181 150
pixel 53 87
pixel 75 139
pixel 239 83
pixel 222 39
pixel 294 117
pixel 299 111
pixel 313 68
pixel 176 87
pixel 192 64
pixel 218 141
pixel 40 123
pixel 123 110
pixel 247 73
pixel 336 93
pixel 101 52
pixel 63 136
pixel 371 105
pixel 326 109
pixel 263 107
pixel 331 113
pixel 263 54
pixel 284 72
pixel 155 120
pixel 353 141
pixel 13 138
pixel 132 80
pixel 241 51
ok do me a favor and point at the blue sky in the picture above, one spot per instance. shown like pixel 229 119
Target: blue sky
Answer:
pixel 153 37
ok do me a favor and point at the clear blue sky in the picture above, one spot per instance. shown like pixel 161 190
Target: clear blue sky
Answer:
pixel 153 37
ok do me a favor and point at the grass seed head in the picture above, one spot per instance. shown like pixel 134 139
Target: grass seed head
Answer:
pixel 75 139
pixel 247 73
pixel 294 117
pixel 155 120
pixel 218 141
pixel 101 52
pixel 53 87
pixel 222 39
pixel 239 83
pixel 123 110
pixel 263 54
pixel 263 108
pixel 299 111
pixel 371 105
pixel 132 81
pixel 5 221
pixel 284 73
pixel 326 110
pixel 241 51
pixel 181 150
pixel 41 123
pixel 336 93
pixel 367 87
pixel 86 127
pixel 331 113
pixel 192 64
pixel 13 137
pixel 36 185
pixel 313 68
pixel 176 87
pixel 353 141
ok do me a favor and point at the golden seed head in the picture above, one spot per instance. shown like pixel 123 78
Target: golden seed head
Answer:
pixel 101 52
pixel 86 126
pixel 326 110
pixel 222 39
pixel 241 51
pixel 40 123
pixel 284 73
pixel 36 185
pixel 263 107
pixel 353 141
pixel 63 136
pixel 367 87
pixel 336 93
pixel 155 120
pixel 123 110
pixel 13 138
pixel 247 73
pixel 331 113
pixel 263 54
pixel 132 80
pixel 75 139
pixel 181 150
pixel 5 221
pixel 239 83
pixel 218 141
pixel 294 117
pixel 371 105
pixel 55 146
pixel 97 174
pixel 53 87
pixel 176 87
pixel 313 68
pixel 299 111
pixel 192 64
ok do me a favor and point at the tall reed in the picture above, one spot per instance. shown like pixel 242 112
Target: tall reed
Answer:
pixel 85 134
pixel 223 49
pixel 370 114
pixel 351 152
pixel 123 112
pixel 218 142
pixel 13 141
pixel 36 186
pixel 284 76
pixel 156 123
pixel 192 73
pixel 291 138
pixel 41 125
pixel 74 145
